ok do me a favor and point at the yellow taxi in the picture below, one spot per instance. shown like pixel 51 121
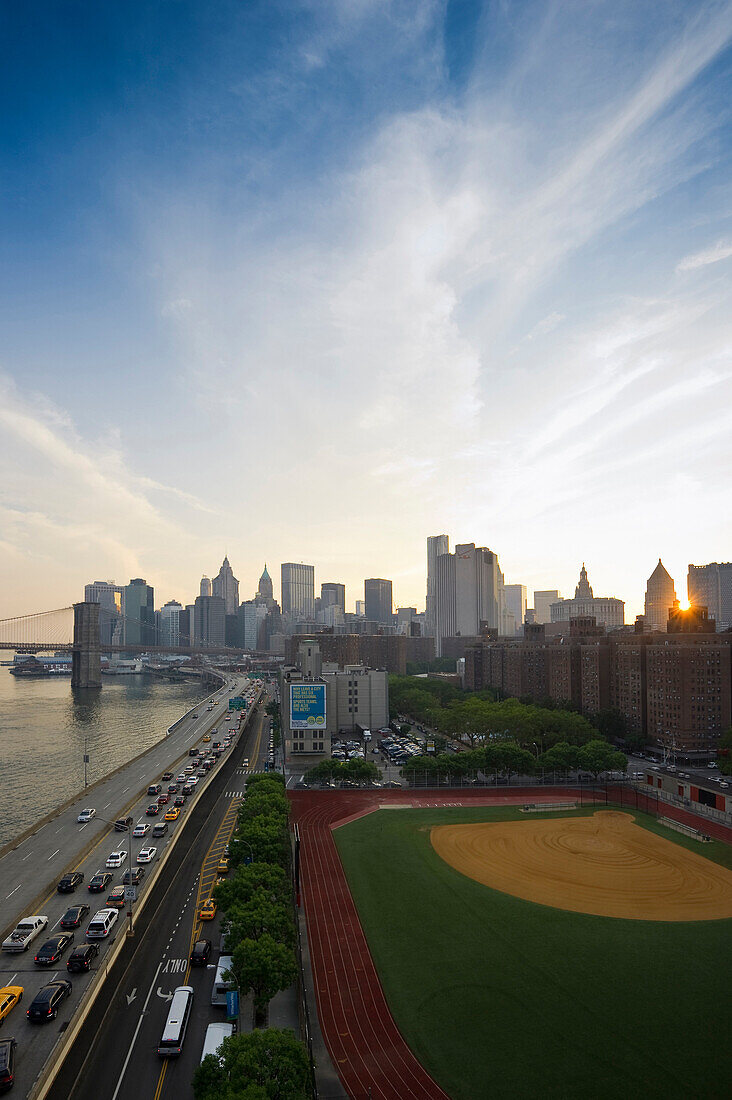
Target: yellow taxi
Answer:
pixel 10 995
pixel 207 910
pixel 207 738
pixel 172 814
pixel 223 867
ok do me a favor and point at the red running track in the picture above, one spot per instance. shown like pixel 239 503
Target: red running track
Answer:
pixel 365 1045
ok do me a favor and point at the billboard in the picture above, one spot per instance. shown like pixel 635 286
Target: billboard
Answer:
pixel 307 706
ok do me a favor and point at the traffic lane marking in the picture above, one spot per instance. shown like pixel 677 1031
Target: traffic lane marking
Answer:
pixel 137 1032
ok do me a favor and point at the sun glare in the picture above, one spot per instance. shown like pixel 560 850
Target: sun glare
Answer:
pixel 684 605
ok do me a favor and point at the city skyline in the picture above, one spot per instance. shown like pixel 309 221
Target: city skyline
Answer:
pixel 466 267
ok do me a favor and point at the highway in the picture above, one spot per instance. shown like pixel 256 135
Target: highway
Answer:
pixel 116 1052
pixel 63 845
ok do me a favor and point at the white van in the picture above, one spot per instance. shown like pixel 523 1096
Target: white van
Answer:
pixel 220 987
pixel 101 924
pixel 215 1035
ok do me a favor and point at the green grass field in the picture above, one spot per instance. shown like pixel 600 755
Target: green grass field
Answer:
pixel 501 997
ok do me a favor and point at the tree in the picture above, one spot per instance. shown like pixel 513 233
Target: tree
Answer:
pixel 263 967
pixel 264 802
pixel 257 916
pixel 598 756
pixel 560 758
pixel 263 1065
pixel 264 839
pixel 361 771
pixel 249 879
pixel 265 779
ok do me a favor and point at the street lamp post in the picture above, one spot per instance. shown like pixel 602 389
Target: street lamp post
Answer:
pixel 130 887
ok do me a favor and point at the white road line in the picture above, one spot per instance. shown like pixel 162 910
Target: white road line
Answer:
pixel 109 803
pixel 84 825
pixel 53 854
pixel 57 922
pixel 137 1031
pixel 26 857
pixel 13 891
pixel 15 975
pixel 123 791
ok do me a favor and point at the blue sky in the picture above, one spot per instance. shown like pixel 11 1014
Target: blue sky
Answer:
pixel 312 281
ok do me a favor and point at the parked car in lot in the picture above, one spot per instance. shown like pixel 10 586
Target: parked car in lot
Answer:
pixel 47 1001
pixel 74 917
pixel 53 949
pixel 81 958
pixel 69 882
pixel 99 882
pixel 86 815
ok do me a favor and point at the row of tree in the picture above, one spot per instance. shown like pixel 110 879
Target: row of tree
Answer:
pixel 256 900
pixel 360 772
pixel 508 758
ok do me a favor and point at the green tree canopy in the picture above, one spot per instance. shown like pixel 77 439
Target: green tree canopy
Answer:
pixel 561 757
pixel 255 917
pixel 598 756
pixel 264 802
pixel 263 839
pixel 263 1065
pixel 263 967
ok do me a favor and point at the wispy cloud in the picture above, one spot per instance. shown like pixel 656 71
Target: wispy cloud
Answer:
pixel 722 250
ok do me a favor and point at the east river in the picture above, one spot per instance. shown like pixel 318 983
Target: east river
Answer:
pixel 44 727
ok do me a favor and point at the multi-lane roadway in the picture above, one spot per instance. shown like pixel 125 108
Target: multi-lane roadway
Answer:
pixel 30 871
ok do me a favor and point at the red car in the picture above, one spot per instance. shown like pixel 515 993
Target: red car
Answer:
pixel 153 810
pixel 162 799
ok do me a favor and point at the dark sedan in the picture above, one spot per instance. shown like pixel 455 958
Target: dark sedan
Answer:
pixel 69 882
pixel 99 882
pixel 153 810
pixel 134 877
pixel 201 953
pixel 74 917
pixel 46 1003
pixel 54 948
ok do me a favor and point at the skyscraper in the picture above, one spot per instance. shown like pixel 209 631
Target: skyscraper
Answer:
pixel 378 600
pixel 226 586
pixel 711 586
pixel 168 622
pixel 206 589
pixel 543 604
pixel 210 621
pixel 138 611
pixel 515 597
pixel 298 589
pixel 332 594
pixel 264 588
pixel 468 593
pixel 109 596
pixel 660 598
pixel 436 545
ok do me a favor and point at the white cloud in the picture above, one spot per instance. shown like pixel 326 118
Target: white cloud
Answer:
pixel 722 250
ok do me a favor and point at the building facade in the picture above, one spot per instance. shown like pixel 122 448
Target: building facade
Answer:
pixel 298 590
pixel 468 593
pixel 516 605
pixel 138 611
pixel 711 586
pixel 168 624
pixel 378 600
pixel 606 610
pixel 226 586
pixel 436 545
pixel 660 598
pixel 543 601
pixel 333 595
pixel 210 621
pixel 109 596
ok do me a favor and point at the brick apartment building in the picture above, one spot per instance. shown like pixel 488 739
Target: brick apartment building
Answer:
pixel 673 689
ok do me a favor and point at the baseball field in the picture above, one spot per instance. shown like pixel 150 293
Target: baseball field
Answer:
pixel 578 953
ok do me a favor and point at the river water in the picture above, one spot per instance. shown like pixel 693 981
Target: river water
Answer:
pixel 44 727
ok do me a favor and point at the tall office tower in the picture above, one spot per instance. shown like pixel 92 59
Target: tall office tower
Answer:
pixel 298 590
pixel 361 608
pixel 436 545
pixel 660 598
pixel 206 588
pixel 515 597
pixel 264 588
pixel 191 617
pixel 378 600
pixel 607 610
pixel 543 604
pixel 711 586
pixel 210 620
pixel 468 596
pixel 109 596
pixel 332 594
pixel 252 615
pixel 168 620
pixel 226 586
pixel 138 611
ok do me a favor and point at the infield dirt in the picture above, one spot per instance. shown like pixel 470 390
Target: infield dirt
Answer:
pixel 605 865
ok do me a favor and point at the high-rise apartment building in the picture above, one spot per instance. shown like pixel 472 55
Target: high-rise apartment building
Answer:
pixel 138 613
pixel 543 601
pixel 436 545
pixel 298 590
pixel 333 595
pixel 378 600
pixel 169 625
pixel 515 597
pixel 660 598
pixel 711 586
pixel 468 597
pixel 226 586
pixel 109 596
pixel 607 610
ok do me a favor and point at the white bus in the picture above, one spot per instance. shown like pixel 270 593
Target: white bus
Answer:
pixel 215 1035
pixel 174 1031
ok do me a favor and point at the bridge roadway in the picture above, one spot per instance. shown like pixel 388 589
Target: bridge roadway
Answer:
pixel 115 1054
pixel 62 845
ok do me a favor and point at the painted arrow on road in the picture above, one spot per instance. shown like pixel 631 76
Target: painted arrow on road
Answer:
pixel 165 996
pixel 131 996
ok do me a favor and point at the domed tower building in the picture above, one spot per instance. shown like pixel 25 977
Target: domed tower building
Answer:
pixel 660 598
pixel 264 589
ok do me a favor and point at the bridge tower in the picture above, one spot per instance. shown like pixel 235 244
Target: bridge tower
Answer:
pixel 86 665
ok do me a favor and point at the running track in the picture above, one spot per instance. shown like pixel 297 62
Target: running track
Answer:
pixel 365 1045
